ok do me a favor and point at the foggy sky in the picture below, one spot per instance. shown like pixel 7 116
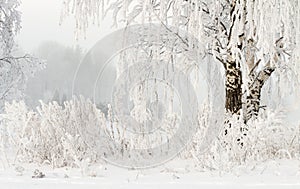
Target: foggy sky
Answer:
pixel 40 22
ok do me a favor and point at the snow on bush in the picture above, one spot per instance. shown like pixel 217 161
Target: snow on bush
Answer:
pixel 51 134
pixel 67 136
pixel 264 138
pixel 71 135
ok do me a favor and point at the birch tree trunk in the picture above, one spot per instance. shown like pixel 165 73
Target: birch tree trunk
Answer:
pixel 238 37
pixel 254 96
pixel 233 88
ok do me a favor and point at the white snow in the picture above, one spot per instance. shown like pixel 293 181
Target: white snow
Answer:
pixel 175 174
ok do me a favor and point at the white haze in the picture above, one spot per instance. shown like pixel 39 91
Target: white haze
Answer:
pixel 39 26
pixel 43 36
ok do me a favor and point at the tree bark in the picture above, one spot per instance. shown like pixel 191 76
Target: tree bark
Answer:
pixel 255 86
pixel 233 88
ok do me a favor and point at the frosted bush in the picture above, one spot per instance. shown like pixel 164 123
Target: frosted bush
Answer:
pixel 68 135
pixel 50 135
pixel 76 134
pixel 264 138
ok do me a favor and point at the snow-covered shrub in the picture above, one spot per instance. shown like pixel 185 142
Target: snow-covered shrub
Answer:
pixel 14 125
pixel 69 135
pixel 51 135
pixel 75 134
pixel 264 138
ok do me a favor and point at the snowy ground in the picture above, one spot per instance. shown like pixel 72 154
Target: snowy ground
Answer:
pixel 272 174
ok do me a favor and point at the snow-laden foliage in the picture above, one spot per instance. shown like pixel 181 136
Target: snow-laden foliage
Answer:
pixel 50 135
pixel 14 70
pixel 67 136
pixel 251 39
pixel 265 138
pixel 268 22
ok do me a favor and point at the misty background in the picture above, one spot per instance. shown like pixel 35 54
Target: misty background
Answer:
pixel 44 37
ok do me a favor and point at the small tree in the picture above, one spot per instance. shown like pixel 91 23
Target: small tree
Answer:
pixel 14 70
pixel 251 38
